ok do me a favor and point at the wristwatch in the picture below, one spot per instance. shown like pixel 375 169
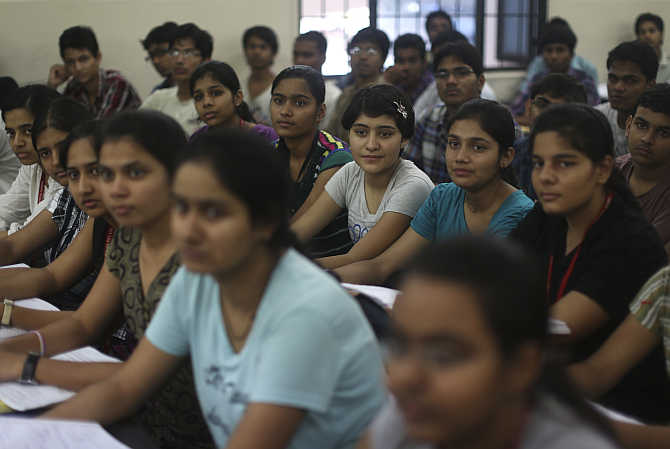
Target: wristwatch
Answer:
pixel 7 312
pixel 29 367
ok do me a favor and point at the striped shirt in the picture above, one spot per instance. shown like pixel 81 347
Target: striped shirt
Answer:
pixel 115 94
pixel 426 149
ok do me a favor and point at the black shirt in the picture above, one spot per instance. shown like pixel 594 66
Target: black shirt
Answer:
pixel 619 253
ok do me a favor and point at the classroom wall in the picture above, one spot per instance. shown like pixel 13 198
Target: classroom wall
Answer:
pixel 30 30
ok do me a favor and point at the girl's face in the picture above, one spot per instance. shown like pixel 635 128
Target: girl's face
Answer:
pixel 375 143
pixel 565 179
pixel 213 228
pixel 215 103
pixel 48 151
pixel 445 367
pixel 82 173
pixel 294 110
pixel 19 125
pixel 134 184
pixel 473 157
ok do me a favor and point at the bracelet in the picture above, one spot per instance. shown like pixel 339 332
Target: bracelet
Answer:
pixel 7 312
pixel 41 339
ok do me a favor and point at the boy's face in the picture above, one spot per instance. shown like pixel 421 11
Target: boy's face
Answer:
pixel 436 26
pixel 159 55
pixel 625 84
pixel 81 64
pixel 410 65
pixel 306 52
pixel 649 33
pixel 557 57
pixel 648 135
pixel 258 53
pixel 365 59
pixel 185 58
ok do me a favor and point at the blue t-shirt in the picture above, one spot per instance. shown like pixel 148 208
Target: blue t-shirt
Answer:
pixel 442 216
pixel 310 347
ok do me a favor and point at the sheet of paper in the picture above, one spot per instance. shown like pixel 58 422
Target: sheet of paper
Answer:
pixel 384 296
pixel 33 303
pixel 33 433
pixel 28 397
pixel 558 327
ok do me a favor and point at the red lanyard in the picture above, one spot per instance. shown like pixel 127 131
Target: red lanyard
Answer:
pixel 43 184
pixel 571 267
pixel 108 237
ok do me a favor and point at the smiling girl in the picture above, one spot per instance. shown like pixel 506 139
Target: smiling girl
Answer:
pixel 380 191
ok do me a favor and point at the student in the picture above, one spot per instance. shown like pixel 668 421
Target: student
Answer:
pixel 157 44
pixel 310 49
pixel 410 72
pixel 593 242
pixel 438 22
pixel 282 357
pixel 260 48
pixel 555 88
pixel 647 166
pixel 312 156
pixel 557 45
pixel 9 163
pixel 192 46
pixel 538 65
pixel 138 153
pixel 219 101
pixel 480 199
pixel 467 361
pixel 103 92
pixel 459 77
pixel 631 69
pixel 380 190
pixel 367 51
pixel 31 192
pixel 649 29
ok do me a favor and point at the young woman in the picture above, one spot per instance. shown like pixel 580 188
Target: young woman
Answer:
pixel 596 247
pixel 31 192
pixel 218 99
pixel 282 357
pixel 137 156
pixel 479 199
pixel 380 191
pixel 312 156
pixel 467 364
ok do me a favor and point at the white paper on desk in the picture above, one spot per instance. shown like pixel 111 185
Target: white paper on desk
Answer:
pixel 21 397
pixel 33 303
pixel 384 296
pixel 16 265
pixel 33 433
pixel 558 327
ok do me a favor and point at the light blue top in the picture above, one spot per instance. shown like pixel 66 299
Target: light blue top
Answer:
pixel 310 347
pixel 537 65
pixel 442 216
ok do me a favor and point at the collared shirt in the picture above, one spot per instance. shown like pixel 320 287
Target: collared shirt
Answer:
pixel 426 79
pixel 519 104
pixel 115 94
pixel 426 149
pixel 166 84
pixel 538 65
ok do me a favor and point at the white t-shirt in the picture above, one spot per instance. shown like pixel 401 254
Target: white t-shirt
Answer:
pixel 184 112
pixel 332 94
pixel 620 141
pixel 406 191
pixel 260 105
pixel 9 163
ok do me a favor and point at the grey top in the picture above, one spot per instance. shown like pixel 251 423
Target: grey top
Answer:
pixel 620 141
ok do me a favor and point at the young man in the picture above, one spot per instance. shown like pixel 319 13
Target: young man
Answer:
pixel 649 29
pixel 260 48
pixel 647 166
pixel 555 88
pixel 310 49
pixel 557 45
pixel 9 164
pixel 438 22
pixel 410 72
pixel 631 69
pixel 459 77
pixel 367 51
pixel 103 92
pixel 157 45
pixel 192 46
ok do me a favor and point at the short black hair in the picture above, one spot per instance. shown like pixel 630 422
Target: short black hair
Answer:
pixel 465 52
pixel 374 36
pixel 201 39
pixel 160 34
pixel 435 15
pixel 264 33
pixel 80 38
pixel 7 86
pixel 656 98
pixel 648 17
pixel 410 40
pixel 33 97
pixel 560 85
pixel 638 53
pixel 557 33
pixel 318 38
pixel 448 36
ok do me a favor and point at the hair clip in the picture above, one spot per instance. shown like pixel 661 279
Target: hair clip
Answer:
pixel 401 109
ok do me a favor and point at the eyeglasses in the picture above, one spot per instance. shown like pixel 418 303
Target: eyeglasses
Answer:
pixel 156 54
pixel 370 51
pixel 459 73
pixel 186 53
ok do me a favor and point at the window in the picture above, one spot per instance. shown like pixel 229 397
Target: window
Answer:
pixel 505 31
